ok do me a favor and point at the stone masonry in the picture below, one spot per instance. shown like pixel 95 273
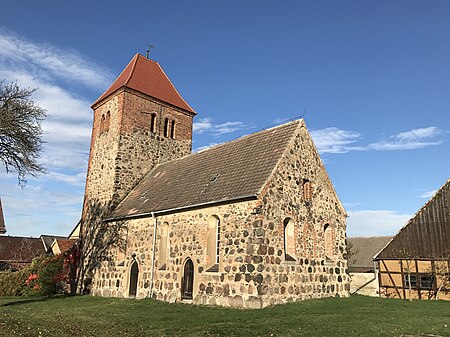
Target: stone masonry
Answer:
pixel 253 272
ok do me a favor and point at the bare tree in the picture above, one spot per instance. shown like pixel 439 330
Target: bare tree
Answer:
pixel 20 131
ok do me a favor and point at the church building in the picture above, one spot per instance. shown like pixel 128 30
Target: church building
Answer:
pixel 249 223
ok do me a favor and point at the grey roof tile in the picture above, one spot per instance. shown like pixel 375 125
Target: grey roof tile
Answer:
pixel 227 171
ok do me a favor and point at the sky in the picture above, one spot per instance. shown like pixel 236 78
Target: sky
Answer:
pixel 370 78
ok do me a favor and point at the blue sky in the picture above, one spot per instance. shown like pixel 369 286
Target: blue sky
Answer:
pixel 372 76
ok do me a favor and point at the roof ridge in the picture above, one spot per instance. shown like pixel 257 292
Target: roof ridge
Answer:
pixel 247 135
pixel 135 59
pixel 413 217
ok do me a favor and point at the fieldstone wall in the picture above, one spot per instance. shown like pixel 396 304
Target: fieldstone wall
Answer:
pixel 313 273
pixel 253 271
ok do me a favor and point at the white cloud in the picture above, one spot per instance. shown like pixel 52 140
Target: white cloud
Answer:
pixel 203 125
pixel 52 202
pixel 206 147
pixel 427 195
pixel 334 140
pixel 375 222
pixel 76 180
pixel 50 61
pixel 409 140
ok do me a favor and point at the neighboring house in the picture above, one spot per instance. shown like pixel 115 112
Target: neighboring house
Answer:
pixel 2 220
pixel 75 233
pixel 361 250
pixel 18 252
pixel 60 246
pixel 416 263
pixel 248 223
pixel 47 241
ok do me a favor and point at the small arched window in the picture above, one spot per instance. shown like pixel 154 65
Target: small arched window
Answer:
pixel 166 127
pixel 152 122
pixel 163 246
pixel 289 240
pixel 107 120
pixel 172 130
pixel 328 241
pixel 307 190
pixel 102 124
pixel 213 246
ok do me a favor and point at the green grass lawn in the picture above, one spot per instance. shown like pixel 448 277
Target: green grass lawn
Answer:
pixel 96 316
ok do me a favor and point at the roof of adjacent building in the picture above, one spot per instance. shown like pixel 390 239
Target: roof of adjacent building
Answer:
pixel 20 249
pixel 147 77
pixel 47 241
pixel 2 220
pixel 427 234
pixel 64 244
pixel 229 171
pixel 362 250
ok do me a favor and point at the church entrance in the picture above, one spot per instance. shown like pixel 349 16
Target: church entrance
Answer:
pixel 187 281
pixel 134 273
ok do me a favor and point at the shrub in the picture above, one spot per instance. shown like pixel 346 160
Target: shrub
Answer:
pixel 46 276
pixel 12 283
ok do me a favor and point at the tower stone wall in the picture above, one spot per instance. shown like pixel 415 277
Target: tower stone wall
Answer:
pixel 124 148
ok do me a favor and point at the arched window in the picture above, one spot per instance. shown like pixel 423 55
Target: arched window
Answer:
pixel 166 127
pixel 163 246
pixel 102 124
pixel 213 247
pixel 107 119
pixel 172 130
pixel 289 240
pixel 152 122
pixel 307 190
pixel 328 245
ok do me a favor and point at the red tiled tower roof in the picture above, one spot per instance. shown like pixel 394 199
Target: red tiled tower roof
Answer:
pixel 147 77
pixel 2 221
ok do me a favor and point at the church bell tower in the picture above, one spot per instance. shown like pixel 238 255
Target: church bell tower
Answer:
pixel 139 122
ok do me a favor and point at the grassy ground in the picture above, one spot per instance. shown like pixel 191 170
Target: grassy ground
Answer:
pixel 95 316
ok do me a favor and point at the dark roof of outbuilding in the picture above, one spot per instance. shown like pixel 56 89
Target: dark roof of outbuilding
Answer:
pixel 20 249
pixel 230 171
pixel 147 77
pixel 2 220
pixel 47 241
pixel 362 250
pixel 427 234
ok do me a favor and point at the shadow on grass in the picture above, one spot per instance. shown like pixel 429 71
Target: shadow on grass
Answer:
pixel 25 300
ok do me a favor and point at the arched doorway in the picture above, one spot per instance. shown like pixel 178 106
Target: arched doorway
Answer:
pixel 187 281
pixel 134 273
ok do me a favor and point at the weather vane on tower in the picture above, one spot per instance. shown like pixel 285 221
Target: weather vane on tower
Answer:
pixel 149 46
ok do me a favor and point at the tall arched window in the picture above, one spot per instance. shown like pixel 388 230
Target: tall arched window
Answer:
pixel 213 246
pixel 172 130
pixel 289 240
pixel 152 122
pixel 102 124
pixel 307 190
pixel 328 241
pixel 163 246
pixel 166 127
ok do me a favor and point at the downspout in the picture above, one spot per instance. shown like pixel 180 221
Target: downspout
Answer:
pixel 153 253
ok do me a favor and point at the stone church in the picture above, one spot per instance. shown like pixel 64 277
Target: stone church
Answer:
pixel 249 223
